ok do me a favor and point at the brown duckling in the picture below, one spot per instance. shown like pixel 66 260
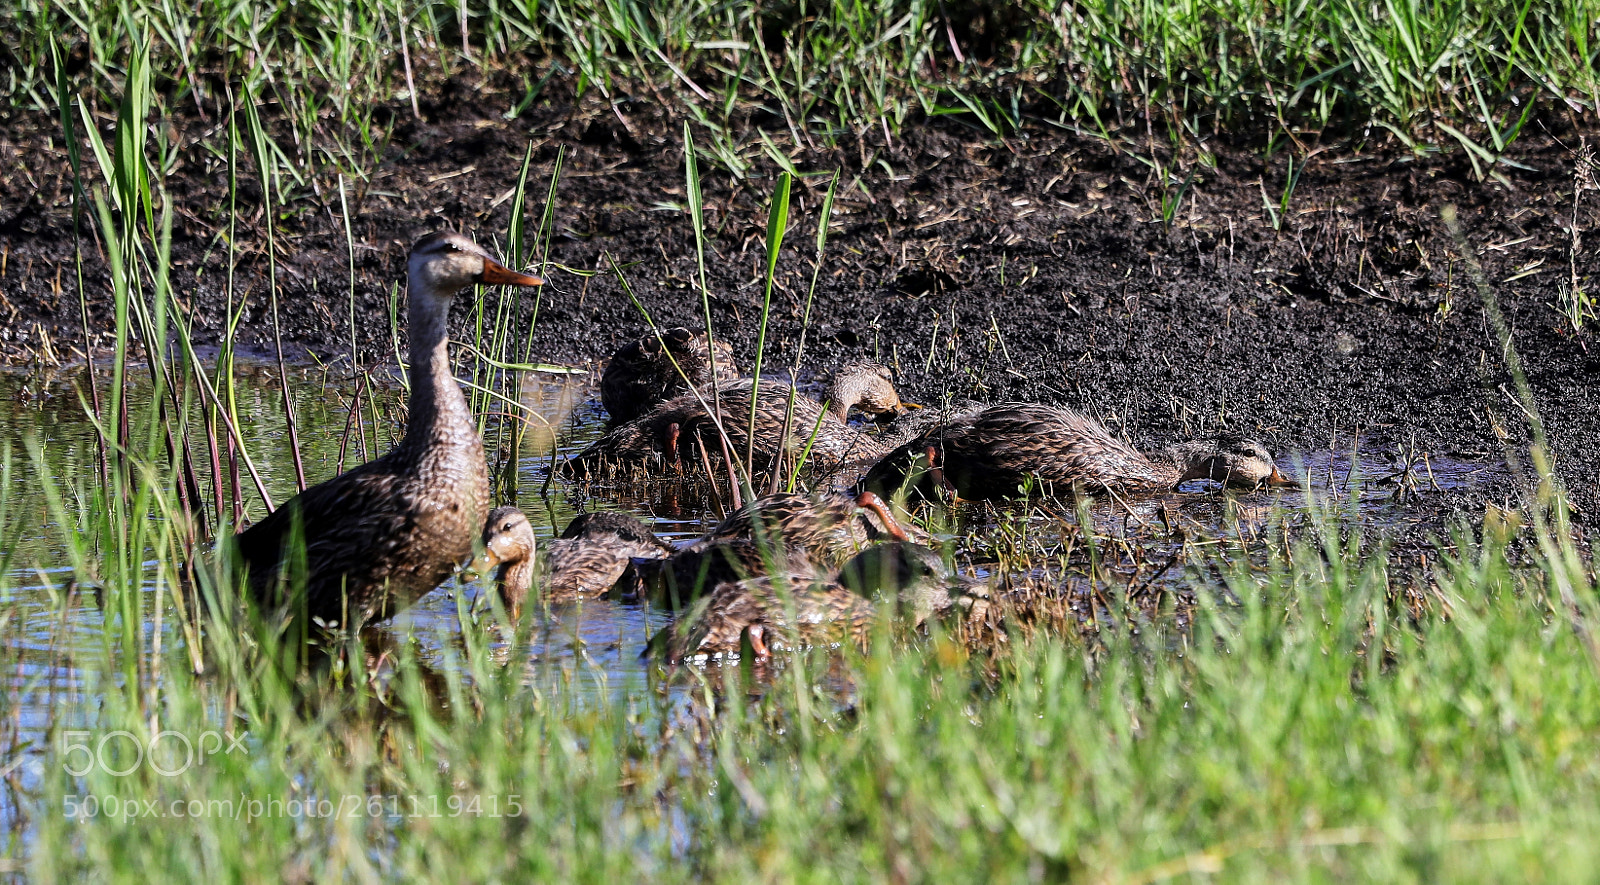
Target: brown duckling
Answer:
pixel 379 537
pixel 588 558
pixel 509 546
pixel 827 526
pixel 989 453
pixel 676 427
pixel 793 611
pixel 595 549
pixel 647 372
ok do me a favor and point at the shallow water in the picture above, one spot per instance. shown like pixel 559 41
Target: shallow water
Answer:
pixel 591 648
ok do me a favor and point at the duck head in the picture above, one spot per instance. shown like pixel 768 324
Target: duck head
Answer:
pixel 868 386
pixel 509 545
pixel 1231 460
pixel 444 263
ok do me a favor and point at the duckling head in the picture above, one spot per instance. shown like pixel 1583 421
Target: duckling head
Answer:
pixel 1230 459
pixel 868 386
pixel 510 545
pixel 619 530
pixel 444 263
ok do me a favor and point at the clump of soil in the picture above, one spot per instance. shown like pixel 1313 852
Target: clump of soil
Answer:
pixel 1035 267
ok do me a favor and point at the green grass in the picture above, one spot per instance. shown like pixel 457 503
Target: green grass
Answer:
pixel 1313 730
pixel 1428 74
pixel 1304 724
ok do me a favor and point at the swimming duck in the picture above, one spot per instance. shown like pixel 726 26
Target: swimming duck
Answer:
pixel 782 533
pixel 690 573
pixel 990 452
pixel 793 611
pixel 678 425
pixel 587 559
pixel 827 526
pixel 646 372
pixel 509 545
pixel 379 537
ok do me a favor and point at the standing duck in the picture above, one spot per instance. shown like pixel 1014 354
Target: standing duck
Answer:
pixel 646 372
pixel 588 558
pixel 676 427
pixel 791 611
pixel 991 452
pixel 379 537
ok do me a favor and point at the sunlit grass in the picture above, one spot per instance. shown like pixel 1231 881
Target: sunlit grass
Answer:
pixel 1302 723
pixel 1295 76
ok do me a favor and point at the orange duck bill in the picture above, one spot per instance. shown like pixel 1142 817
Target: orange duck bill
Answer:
pixel 497 274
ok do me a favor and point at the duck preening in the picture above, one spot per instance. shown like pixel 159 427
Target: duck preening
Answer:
pixel 992 452
pixel 587 559
pixel 682 427
pixel 655 368
pixel 379 537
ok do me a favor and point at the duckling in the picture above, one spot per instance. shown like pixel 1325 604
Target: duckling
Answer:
pixel 509 546
pixel 827 526
pixel 793 611
pixel 688 574
pixel 588 558
pixel 676 426
pixel 595 549
pixel 648 371
pixel 990 452
pixel 379 537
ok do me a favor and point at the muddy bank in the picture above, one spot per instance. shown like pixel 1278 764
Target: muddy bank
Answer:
pixel 1038 267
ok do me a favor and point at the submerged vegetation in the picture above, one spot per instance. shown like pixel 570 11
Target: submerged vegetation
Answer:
pixel 1286 701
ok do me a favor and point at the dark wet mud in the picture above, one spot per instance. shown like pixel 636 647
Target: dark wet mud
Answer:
pixel 1035 267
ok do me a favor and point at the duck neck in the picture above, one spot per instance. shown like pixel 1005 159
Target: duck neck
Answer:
pixel 515 579
pixel 842 397
pixel 1181 462
pixel 437 406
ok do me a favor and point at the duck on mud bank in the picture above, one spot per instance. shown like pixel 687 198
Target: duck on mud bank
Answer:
pixel 992 452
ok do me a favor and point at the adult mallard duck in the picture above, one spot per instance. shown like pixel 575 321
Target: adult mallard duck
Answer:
pixel 655 368
pixel 788 611
pixel 679 427
pixel 991 452
pixel 380 536
pixel 587 559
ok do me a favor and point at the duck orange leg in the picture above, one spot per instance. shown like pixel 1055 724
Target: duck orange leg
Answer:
pixel 669 446
pixel 939 478
pixel 758 642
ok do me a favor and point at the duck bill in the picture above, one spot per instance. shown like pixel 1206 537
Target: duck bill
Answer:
pixel 1278 479
pixel 497 274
